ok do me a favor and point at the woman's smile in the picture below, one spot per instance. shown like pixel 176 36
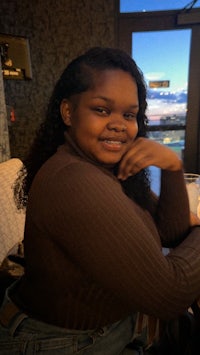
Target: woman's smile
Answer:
pixel 114 144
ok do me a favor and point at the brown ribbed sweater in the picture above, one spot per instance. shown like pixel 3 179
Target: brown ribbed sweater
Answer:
pixel 93 256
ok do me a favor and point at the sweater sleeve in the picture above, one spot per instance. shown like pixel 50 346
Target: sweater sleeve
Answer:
pixel 114 242
pixel 172 212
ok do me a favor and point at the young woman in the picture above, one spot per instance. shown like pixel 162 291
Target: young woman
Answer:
pixel 94 230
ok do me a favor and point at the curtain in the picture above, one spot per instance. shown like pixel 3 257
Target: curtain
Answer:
pixel 4 133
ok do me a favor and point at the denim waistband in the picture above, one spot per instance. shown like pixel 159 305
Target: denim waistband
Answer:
pixel 11 317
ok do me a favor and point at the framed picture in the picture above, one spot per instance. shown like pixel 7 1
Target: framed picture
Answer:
pixel 15 57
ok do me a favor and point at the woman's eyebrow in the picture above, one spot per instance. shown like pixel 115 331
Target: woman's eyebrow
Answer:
pixel 103 98
pixel 106 99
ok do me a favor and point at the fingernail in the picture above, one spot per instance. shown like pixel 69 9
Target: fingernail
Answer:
pixel 121 177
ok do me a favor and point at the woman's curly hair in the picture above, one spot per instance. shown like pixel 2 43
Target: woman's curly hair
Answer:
pixel 75 79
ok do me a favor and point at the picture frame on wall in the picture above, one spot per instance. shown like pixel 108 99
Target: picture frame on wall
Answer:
pixel 15 57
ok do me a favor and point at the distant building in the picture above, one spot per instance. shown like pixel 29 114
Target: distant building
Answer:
pixel 173 120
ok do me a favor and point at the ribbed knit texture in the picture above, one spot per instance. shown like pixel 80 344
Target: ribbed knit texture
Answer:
pixel 94 256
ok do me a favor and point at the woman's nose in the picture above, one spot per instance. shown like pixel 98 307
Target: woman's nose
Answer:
pixel 117 126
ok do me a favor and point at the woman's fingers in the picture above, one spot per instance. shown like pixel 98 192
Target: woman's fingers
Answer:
pixel 145 152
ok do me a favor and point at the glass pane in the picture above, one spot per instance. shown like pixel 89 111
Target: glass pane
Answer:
pixel 163 57
pixel 174 139
pixel 154 5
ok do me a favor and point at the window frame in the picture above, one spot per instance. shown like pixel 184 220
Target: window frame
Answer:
pixel 127 23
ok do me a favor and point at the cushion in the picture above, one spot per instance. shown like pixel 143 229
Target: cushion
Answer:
pixel 11 219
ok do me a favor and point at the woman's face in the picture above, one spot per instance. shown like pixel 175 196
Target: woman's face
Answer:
pixel 103 120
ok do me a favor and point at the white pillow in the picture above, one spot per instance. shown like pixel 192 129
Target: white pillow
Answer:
pixel 12 220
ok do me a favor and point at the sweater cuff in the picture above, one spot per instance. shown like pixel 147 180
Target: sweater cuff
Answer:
pixel 194 227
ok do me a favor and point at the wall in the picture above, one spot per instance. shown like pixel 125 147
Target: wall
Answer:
pixel 57 31
pixel 4 134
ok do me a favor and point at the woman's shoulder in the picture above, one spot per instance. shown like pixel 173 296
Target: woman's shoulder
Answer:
pixel 68 169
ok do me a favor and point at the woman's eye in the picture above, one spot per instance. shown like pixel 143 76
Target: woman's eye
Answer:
pixel 102 110
pixel 130 116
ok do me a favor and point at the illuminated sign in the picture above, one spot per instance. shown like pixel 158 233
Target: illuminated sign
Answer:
pixel 159 84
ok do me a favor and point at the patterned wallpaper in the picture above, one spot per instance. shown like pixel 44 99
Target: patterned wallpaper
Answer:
pixel 4 134
pixel 57 31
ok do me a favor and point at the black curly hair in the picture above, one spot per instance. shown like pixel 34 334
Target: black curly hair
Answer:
pixel 75 79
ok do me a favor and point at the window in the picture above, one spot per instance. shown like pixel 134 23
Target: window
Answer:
pixel 158 40
pixel 155 5
pixel 163 57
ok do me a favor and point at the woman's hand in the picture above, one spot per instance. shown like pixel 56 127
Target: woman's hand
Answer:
pixel 145 152
pixel 194 220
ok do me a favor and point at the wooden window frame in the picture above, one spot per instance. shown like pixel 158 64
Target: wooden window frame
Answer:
pixel 127 23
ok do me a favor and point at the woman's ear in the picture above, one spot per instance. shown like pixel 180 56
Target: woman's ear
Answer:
pixel 65 112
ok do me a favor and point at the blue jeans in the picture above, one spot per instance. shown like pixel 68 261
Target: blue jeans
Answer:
pixel 25 335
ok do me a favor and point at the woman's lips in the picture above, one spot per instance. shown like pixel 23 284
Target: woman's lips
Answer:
pixel 112 144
